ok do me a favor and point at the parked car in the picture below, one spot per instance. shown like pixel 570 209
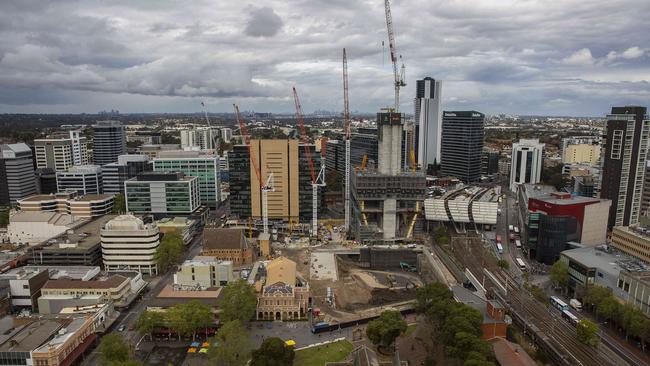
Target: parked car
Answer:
pixel 121 328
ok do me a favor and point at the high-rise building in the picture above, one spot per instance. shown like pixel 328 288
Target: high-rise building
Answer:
pixel 45 180
pixel 624 151
pixel 109 142
pixel 462 144
pixel 490 162
pixel 645 200
pixel 581 150
pixel 162 194
pixel 17 178
pixel 226 134
pixel 83 179
pixel 428 120
pixel 286 159
pixel 61 153
pixel 130 244
pixel 201 164
pixel 526 162
pixel 127 167
pixel 199 137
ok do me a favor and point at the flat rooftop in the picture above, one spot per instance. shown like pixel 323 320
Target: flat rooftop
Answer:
pixel 80 238
pixel 569 199
pixel 612 261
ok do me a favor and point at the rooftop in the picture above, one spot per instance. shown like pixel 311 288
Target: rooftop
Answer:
pixel 161 176
pixel 54 218
pixel 281 270
pixel 224 238
pixel 467 297
pixel 16 337
pixel 127 223
pixel 563 198
pixel 105 283
pixel 80 238
pixel 204 260
pixel 606 259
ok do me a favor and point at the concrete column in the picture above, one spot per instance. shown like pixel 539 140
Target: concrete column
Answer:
pixel 390 218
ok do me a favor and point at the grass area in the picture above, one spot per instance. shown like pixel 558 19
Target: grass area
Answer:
pixel 318 356
pixel 410 330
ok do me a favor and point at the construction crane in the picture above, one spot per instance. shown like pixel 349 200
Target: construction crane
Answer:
pixel 346 121
pixel 316 180
pixel 215 140
pixel 265 186
pixel 399 77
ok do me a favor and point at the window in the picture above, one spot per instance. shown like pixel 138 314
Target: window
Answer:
pixel 617 144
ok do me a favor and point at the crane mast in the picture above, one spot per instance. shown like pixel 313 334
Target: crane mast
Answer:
pixel 265 187
pixel 346 121
pixel 316 180
pixel 397 75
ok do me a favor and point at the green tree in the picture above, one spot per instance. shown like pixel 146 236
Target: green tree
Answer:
pixel 477 359
pixel 273 352
pixel 4 216
pixel 596 294
pixel 465 343
pixel 334 181
pixel 632 320
pixel 169 252
pixel 239 302
pixel 587 332
pixel 148 321
pixel 608 308
pixel 384 330
pixel 113 350
pixel 461 318
pixel 431 294
pixel 187 318
pixel 233 346
pixel 560 274
pixel 119 204
pixel 503 264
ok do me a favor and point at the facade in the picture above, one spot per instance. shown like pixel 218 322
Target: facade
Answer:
pixel 204 166
pixel 199 137
pixel 203 273
pixel 185 227
pixel 130 244
pixel 36 227
pixel 17 179
pixel 645 198
pixel 226 134
pixel 128 166
pixel 115 288
pixel 561 218
pixel 490 162
pixel 109 142
pixel 636 286
pixel 462 145
pixel 527 162
pixel 61 153
pixel 361 144
pixel 162 193
pixel 82 206
pixel 45 180
pixel 83 179
pixel 581 150
pixel 227 245
pixel 428 118
pixel 633 240
pixel 25 285
pixel 291 199
pixel 284 296
pixel 625 146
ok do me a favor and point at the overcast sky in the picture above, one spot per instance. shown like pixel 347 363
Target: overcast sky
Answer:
pixel 559 57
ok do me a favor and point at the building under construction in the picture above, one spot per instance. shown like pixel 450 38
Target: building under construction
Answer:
pixel 291 197
pixel 387 201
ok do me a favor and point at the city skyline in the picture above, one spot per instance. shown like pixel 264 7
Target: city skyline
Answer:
pixel 519 57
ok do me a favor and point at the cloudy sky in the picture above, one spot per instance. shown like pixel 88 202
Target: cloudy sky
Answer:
pixel 554 57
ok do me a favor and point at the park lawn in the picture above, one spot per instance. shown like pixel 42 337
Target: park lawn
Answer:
pixel 318 356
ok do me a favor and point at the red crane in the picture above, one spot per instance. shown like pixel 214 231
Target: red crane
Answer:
pixel 303 134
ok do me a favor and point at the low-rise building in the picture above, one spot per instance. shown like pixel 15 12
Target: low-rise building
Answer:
pixel 86 206
pixel 36 227
pixel 633 240
pixel 162 194
pixel 284 295
pixel 636 285
pixel 25 284
pixel 185 227
pixel 83 179
pixel 228 245
pixel 118 288
pixel 130 244
pixel 203 273
pixel 494 325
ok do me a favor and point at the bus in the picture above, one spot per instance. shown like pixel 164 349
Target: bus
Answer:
pixel 516 230
pixel 568 316
pixel 499 248
pixel 510 228
pixel 520 263
pixel 518 243
pixel 498 238
pixel 557 303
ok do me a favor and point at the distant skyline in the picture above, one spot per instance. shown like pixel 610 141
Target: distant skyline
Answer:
pixel 527 57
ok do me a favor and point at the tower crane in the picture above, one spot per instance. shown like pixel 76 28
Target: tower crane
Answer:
pixel 398 76
pixel 346 121
pixel 316 180
pixel 215 143
pixel 265 186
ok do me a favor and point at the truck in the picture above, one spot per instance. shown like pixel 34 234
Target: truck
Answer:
pixel 574 303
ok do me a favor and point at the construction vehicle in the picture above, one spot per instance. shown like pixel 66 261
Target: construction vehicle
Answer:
pixel 317 181
pixel 265 186
pixel 407 267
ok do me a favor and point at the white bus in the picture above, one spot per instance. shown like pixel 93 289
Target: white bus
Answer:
pixel 516 230
pixel 520 263
pixel 511 228
pixel 499 248
pixel 518 243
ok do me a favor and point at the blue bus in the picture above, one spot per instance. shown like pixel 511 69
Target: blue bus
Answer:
pixel 557 303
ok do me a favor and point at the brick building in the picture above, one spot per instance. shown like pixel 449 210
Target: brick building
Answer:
pixel 227 245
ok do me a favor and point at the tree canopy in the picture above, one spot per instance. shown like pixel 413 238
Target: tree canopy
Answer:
pixel 385 329
pixel 587 332
pixel 560 274
pixel 170 251
pixel 239 302
pixel 148 321
pixel 119 204
pixel 273 352
pixel 233 346
pixel 114 351
pixel 189 317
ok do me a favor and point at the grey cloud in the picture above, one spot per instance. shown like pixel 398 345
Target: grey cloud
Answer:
pixel 263 22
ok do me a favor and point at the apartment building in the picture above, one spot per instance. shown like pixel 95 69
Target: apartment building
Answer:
pixel 204 272
pixel 61 153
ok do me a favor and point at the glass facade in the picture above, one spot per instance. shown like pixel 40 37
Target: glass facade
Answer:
pixel 462 145
pixel 205 169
